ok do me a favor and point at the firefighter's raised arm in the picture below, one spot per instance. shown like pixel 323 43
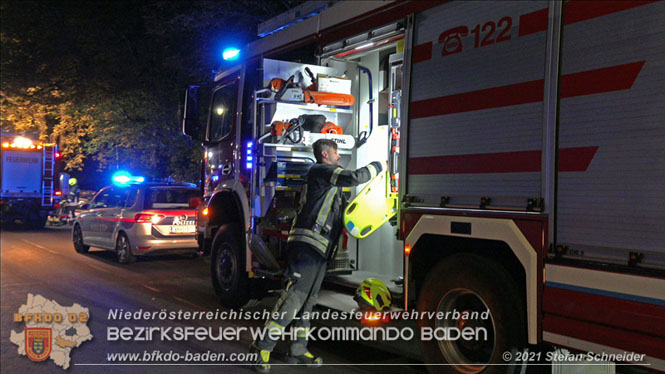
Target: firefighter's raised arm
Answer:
pixel 348 178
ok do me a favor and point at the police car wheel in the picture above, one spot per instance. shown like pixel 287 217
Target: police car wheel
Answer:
pixel 78 240
pixel 229 278
pixel 470 283
pixel 123 250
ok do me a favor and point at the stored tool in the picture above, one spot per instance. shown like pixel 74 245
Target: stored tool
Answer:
pixel 331 128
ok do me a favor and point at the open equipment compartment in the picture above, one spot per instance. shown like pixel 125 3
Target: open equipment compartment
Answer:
pixel 371 133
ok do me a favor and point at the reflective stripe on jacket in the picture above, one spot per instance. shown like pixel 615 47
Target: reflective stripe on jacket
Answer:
pixel 319 219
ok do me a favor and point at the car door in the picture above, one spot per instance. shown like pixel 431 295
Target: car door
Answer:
pixel 90 219
pixel 110 216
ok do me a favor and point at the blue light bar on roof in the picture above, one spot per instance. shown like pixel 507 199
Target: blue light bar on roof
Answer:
pixel 123 178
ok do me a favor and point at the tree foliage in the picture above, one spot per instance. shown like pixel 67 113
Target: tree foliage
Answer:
pixel 105 79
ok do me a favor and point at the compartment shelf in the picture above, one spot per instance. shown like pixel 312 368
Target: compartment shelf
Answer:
pixel 306 106
pixel 299 148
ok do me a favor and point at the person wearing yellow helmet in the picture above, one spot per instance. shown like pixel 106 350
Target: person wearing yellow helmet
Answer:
pixel 73 196
pixel 372 294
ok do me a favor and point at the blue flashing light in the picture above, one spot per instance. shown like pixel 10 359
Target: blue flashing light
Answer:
pixel 122 178
pixel 231 54
pixel 250 159
pixel 215 178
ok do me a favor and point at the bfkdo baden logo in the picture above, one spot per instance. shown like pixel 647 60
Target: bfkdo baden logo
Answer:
pixel 37 343
pixel 51 330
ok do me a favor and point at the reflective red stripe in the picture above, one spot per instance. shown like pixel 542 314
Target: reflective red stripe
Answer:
pixel 114 219
pixel 604 335
pixel 533 22
pixel 171 212
pixel 570 160
pixel 614 78
pixel 625 314
pixel 495 97
pixel 422 52
pixel 575 11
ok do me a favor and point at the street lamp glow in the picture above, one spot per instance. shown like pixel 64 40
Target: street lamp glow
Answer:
pixel 231 54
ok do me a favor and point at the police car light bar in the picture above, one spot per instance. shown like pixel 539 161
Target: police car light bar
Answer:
pixel 123 178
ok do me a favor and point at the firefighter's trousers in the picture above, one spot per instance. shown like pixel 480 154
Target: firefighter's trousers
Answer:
pixel 306 270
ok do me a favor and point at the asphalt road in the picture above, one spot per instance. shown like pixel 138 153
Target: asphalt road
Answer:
pixel 44 263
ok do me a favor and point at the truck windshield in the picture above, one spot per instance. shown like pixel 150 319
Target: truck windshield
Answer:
pixel 169 197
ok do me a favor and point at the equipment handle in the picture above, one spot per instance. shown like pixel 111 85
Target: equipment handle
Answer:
pixel 311 75
pixel 282 90
pixel 363 136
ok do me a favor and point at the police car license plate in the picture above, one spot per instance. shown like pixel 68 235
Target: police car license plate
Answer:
pixel 183 229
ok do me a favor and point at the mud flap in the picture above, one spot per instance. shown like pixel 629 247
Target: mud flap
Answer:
pixel 261 252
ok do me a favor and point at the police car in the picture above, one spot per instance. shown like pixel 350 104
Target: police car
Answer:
pixel 135 219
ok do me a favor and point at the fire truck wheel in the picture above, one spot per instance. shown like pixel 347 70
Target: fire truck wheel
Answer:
pixel 229 278
pixel 77 236
pixel 476 295
pixel 123 250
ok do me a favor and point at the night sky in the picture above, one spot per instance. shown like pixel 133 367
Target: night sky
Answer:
pixel 104 79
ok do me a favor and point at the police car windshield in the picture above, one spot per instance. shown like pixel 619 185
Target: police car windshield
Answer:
pixel 169 197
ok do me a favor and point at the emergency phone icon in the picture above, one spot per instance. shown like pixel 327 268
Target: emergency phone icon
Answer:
pixel 452 40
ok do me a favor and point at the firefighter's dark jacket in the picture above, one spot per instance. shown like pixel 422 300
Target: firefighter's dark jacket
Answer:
pixel 319 219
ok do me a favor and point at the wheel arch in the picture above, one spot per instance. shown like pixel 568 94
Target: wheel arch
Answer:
pixel 117 235
pixel 500 240
pixel 229 205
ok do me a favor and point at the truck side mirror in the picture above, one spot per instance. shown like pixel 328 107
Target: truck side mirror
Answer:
pixel 192 125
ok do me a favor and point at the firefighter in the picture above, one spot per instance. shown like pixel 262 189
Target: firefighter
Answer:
pixel 73 196
pixel 312 239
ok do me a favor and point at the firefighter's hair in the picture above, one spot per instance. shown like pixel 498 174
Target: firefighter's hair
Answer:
pixel 322 145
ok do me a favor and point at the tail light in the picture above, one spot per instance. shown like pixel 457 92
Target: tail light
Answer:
pixel 58 193
pixel 149 218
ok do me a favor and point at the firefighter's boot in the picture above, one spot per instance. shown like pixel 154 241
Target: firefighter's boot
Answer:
pixel 306 359
pixel 262 363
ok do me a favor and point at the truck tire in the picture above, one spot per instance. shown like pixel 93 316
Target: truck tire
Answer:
pixel 123 250
pixel 229 278
pixel 466 282
pixel 77 237
pixel 37 221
